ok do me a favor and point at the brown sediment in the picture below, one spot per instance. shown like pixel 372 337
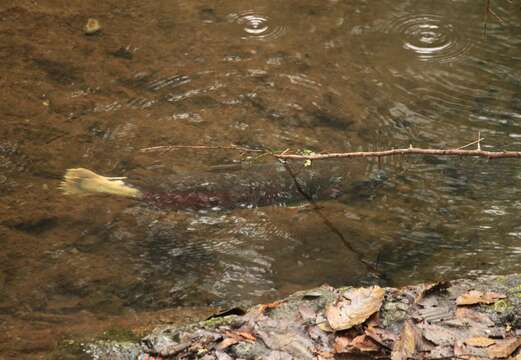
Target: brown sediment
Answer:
pixel 51 336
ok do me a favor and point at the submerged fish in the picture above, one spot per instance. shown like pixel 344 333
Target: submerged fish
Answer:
pixel 266 185
pixel 258 186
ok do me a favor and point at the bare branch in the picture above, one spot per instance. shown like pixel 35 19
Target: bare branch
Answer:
pixel 406 151
pixel 411 150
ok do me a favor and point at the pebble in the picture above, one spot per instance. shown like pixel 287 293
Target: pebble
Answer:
pixel 92 27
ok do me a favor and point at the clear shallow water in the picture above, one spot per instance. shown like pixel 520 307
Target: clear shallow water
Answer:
pixel 326 76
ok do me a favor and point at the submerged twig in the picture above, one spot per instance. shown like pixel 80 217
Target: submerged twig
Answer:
pixel 327 222
pixel 489 11
pixel 200 147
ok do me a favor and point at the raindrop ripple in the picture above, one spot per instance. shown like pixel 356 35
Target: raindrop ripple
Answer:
pixel 257 26
pixel 430 37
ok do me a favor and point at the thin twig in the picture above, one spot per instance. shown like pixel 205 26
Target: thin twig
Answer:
pixel 199 147
pixel 472 143
pixel 485 18
pixel 488 10
pixel 498 18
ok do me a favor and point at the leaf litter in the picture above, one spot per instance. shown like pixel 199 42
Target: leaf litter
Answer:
pixel 474 297
pixel 430 321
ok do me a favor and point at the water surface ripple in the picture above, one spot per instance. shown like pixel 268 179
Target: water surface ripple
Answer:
pixel 435 66
pixel 429 37
pixel 257 26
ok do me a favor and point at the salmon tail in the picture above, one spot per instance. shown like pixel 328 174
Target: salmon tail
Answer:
pixel 83 182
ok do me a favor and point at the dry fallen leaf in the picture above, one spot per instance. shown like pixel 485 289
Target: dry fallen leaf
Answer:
pixel 480 341
pixel 438 335
pixel 474 297
pixel 469 314
pixel 226 343
pixel 383 337
pixel 240 335
pixel 463 351
pixel 247 336
pixel 342 344
pixel 324 326
pixel 405 347
pixel 262 308
pixel 364 343
pixel 504 348
pixel 354 307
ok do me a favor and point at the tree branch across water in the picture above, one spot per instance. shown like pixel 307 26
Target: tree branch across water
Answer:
pixel 406 151
pixel 411 150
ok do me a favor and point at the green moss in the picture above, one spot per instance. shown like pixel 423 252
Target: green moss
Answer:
pixel 502 280
pixel 515 289
pixel 119 334
pixel 218 321
pixel 69 350
pixel 502 305
pixel 345 288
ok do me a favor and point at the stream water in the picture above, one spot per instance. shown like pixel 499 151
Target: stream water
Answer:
pixel 332 75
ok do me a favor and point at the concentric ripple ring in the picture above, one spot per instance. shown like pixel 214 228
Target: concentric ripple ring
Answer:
pixel 256 26
pixel 430 37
